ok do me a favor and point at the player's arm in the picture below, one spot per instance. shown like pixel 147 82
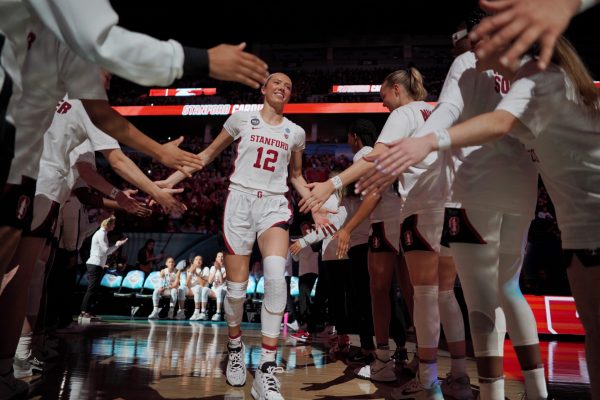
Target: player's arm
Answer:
pixel 221 142
pixel 112 123
pixel 364 210
pixel 299 183
pixel 129 171
pixel 320 191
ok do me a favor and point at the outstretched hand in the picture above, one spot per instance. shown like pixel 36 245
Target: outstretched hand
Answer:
pixel 521 23
pixel 231 63
pixel 173 157
pixel 319 193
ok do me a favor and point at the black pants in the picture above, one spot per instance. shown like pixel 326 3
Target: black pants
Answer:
pixel 61 285
pixel 338 291
pixel 360 295
pixel 306 311
pixel 95 273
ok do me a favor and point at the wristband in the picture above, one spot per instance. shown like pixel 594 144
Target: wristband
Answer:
pixel 114 192
pixel 337 182
pixel 443 139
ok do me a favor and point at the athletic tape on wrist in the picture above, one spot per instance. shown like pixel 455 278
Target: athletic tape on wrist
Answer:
pixel 443 139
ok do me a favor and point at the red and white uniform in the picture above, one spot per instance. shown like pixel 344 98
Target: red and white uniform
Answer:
pixel 482 170
pixel 567 149
pixel 256 200
pixel 71 138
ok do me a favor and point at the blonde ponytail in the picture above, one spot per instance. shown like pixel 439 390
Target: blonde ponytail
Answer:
pixel 412 81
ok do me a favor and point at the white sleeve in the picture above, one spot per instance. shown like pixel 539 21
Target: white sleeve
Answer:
pixel 398 125
pixel 587 4
pixel 82 79
pixel 451 91
pixel 444 115
pixel 90 29
pixel 234 124
pixel 300 142
pixel 98 139
pixel 533 98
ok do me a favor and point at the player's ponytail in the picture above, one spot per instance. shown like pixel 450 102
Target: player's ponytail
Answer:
pixel 412 81
pixel 567 58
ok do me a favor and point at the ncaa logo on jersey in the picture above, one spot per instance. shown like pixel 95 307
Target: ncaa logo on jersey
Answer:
pixel 255 121
pixel 454 225
pixel 286 134
pixel 408 238
pixel 22 206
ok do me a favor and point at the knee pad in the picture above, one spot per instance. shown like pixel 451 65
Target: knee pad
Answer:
pixel 451 317
pixel 181 293
pixel 234 302
pixel 488 333
pixel 427 316
pixel 275 297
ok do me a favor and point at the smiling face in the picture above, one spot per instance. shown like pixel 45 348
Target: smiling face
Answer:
pixel 277 90
pixel 390 95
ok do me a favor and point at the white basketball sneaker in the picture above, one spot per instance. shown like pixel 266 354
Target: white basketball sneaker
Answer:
pixel 236 367
pixel 266 386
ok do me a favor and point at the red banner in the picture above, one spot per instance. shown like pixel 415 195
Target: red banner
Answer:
pixel 355 88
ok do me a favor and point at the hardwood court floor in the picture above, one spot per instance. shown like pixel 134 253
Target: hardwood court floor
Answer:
pixel 139 359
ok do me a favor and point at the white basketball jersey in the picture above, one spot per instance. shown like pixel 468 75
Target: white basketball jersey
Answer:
pixel 403 122
pixel 566 141
pixel 500 174
pixel 70 128
pixel 263 152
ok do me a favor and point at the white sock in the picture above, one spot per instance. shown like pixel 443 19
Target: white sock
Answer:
pixel 156 309
pixel 427 373
pixel 490 389
pixel 196 311
pixel 6 365
pixel 458 366
pixel 24 347
pixel 267 354
pixel 383 353
pixel 535 384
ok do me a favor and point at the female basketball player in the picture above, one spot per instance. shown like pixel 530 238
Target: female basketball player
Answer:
pixel 257 209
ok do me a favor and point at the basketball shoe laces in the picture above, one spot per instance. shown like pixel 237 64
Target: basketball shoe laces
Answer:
pixel 271 381
pixel 236 359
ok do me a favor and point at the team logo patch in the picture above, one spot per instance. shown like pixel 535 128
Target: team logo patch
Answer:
pixel 454 225
pixel 376 242
pixel 408 238
pixel 255 121
pixel 22 207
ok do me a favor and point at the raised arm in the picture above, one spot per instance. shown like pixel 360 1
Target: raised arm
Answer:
pixel 206 156
pixel 129 171
pixel 299 183
pixel 112 123
pixel 320 192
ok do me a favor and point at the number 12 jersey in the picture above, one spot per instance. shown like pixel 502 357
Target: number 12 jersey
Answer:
pixel 263 151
